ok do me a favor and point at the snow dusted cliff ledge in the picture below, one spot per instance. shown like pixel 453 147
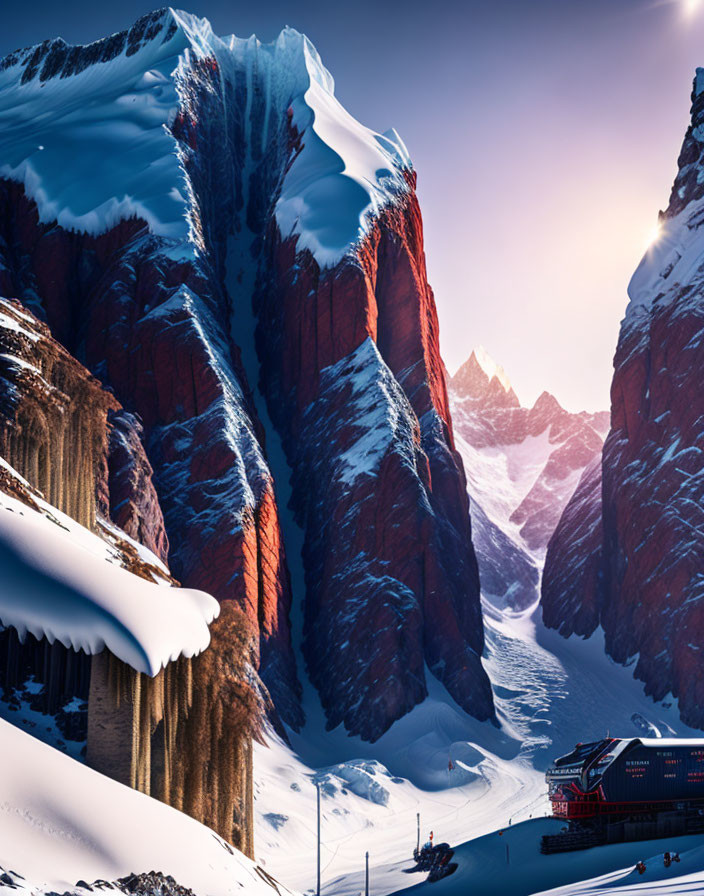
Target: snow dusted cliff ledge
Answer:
pixel 56 586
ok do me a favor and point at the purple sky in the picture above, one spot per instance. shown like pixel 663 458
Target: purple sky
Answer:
pixel 545 134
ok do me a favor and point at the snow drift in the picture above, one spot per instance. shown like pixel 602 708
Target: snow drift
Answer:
pixel 61 822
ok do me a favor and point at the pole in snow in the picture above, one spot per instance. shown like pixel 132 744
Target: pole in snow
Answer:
pixel 317 787
pixel 418 824
pixel 366 876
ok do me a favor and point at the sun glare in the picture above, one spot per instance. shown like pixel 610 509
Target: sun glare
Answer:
pixel 653 236
pixel 691 7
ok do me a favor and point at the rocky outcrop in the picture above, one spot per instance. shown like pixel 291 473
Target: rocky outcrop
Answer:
pixel 522 464
pixel 650 532
pixel 58 431
pixel 185 735
pixel 53 423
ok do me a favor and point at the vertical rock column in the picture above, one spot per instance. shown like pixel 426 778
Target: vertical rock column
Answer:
pixel 53 424
pixel 185 735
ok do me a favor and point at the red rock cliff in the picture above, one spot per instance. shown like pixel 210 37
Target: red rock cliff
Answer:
pixel 346 374
pixel 646 592
pixel 354 381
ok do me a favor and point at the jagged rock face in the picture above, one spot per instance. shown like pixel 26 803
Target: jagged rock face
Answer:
pixel 571 588
pixel 53 415
pixel 354 380
pixel 122 304
pixel 185 735
pixel 650 531
pixel 59 431
pixel 165 315
pixel 523 464
pixel 482 382
pixel 134 505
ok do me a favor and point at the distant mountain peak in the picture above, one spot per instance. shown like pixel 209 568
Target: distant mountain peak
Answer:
pixel 481 378
pixel 490 367
pixel 546 402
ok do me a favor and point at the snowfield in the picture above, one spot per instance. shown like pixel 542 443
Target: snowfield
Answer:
pixel 510 862
pixel 684 877
pixel 550 693
pixel 61 822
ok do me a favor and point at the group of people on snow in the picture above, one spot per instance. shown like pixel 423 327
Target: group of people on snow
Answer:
pixel 667 859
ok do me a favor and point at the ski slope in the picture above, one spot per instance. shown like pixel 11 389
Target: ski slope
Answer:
pixel 550 693
pixel 510 863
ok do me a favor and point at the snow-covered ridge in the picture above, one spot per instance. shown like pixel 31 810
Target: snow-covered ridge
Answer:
pixel 344 174
pixel 100 116
pixel 672 261
pixel 89 143
pixel 56 584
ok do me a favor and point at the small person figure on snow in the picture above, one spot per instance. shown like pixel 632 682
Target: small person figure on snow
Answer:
pixel 640 867
pixel 675 857
pixel 667 860
pixel 429 843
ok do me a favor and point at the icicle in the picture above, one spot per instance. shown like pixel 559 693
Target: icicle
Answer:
pixel 166 695
pixel 136 700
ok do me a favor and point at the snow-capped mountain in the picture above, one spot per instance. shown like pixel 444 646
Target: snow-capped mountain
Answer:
pixel 219 364
pixel 522 466
pixel 628 555
pixel 170 200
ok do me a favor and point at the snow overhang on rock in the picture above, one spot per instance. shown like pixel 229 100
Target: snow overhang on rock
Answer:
pixel 100 116
pixel 56 588
pixel 344 175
